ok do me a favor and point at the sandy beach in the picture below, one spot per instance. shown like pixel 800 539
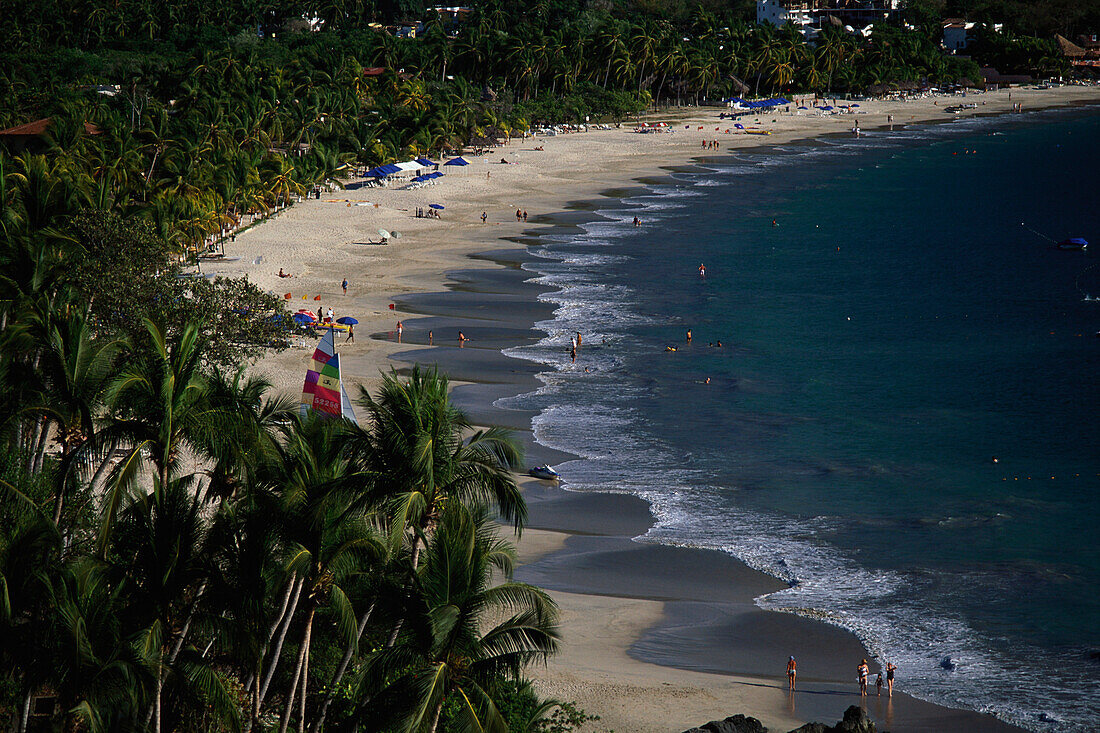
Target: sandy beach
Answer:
pixel 655 638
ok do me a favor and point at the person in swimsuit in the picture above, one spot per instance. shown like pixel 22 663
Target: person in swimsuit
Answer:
pixel 878 684
pixel 890 679
pixel 790 672
pixel 702 271
pixel 863 671
pixel 429 338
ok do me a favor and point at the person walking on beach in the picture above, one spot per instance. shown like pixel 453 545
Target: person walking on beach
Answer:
pixel 400 329
pixel 791 665
pixel 890 679
pixel 351 334
pixel 525 217
pixel 863 671
pixel 484 216
pixel 519 214
pixel 344 285
pixel 429 338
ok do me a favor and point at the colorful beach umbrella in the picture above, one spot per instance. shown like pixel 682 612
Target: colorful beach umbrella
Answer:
pixel 303 319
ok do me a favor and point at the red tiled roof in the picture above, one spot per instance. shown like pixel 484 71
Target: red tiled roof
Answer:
pixel 39 128
pixel 30 129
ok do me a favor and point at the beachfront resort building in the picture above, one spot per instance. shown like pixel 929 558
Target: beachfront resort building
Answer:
pixel 809 15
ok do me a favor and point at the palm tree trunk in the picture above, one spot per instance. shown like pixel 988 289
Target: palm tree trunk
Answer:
pixel 298 667
pixel 156 701
pixel 187 624
pixel 279 642
pixel 336 678
pixel 25 712
pixel 38 444
pixel 415 562
pixel 435 716
pixel 305 672
pixel 104 464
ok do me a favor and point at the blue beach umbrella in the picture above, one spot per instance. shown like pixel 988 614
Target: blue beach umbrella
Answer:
pixel 347 320
pixel 456 161
pixel 435 206
pixel 302 319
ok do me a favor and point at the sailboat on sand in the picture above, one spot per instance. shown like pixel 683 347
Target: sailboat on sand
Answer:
pixel 324 391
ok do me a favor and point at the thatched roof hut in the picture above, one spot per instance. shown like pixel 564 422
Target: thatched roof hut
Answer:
pixel 739 87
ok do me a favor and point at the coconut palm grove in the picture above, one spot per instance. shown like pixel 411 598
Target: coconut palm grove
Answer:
pixel 180 549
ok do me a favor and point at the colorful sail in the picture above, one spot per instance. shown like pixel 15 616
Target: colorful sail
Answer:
pixel 324 391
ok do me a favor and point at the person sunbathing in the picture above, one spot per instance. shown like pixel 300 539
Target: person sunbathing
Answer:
pixel 284 274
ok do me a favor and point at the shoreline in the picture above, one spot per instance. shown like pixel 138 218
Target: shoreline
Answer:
pixel 606 633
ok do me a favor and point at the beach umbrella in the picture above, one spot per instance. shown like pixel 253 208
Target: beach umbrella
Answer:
pixel 347 320
pixel 435 206
pixel 303 319
pixel 456 161
pixel 383 233
pixel 395 235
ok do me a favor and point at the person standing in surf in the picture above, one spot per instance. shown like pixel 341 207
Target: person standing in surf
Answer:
pixel 863 671
pixel 702 270
pixel 890 667
pixel 791 670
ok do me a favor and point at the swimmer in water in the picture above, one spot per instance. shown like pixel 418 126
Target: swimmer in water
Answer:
pixel 670 348
pixel 702 270
pixel 689 336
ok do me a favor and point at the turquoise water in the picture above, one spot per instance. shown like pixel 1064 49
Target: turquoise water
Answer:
pixel 895 331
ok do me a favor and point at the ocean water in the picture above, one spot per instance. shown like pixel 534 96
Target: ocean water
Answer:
pixel 893 332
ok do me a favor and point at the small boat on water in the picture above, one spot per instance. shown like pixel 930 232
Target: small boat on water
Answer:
pixel 545 473
pixel 1073 243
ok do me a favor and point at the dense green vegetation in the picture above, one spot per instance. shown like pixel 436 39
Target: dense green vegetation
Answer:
pixel 224 112
pixel 181 551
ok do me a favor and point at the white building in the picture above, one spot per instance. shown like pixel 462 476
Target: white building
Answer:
pixel 781 12
pixel 804 14
pixel 959 33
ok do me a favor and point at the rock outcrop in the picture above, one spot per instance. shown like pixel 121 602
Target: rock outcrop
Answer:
pixel 855 720
pixel 732 724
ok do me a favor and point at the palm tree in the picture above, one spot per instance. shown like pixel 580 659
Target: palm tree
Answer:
pixel 451 652
pixel 160 407
pixel 416 452
pixel 329 531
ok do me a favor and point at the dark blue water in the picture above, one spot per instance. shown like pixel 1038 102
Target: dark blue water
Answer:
pixel 896 331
